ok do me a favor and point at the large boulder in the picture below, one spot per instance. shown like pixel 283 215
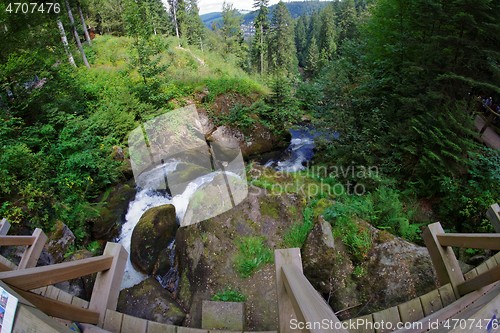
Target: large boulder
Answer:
pixel 393 272
pixel 206 254
pixel 60 241
pixel 148 300
pixel 151 237
pixel 114 204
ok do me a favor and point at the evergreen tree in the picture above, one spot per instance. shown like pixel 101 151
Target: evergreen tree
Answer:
pixel 261 24
pixel 313 58
pixel 328 35
pixel 195 29
pixel 231 31
pixel 282 51
pixel 301 29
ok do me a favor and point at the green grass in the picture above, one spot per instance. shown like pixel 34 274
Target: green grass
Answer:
pixel 229 295
pixel 252 255
pixel 297 234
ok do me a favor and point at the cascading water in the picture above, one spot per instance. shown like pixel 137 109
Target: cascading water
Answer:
pixel 147 198
pixel 299 152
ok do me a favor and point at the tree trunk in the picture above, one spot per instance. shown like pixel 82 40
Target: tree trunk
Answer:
pixel 65 43
pixel 175 22
pixel 75 34
pixel 84 25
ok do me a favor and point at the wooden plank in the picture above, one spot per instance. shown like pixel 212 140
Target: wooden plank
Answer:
pixel 16 240
pixel 285 307
pixel 107 284
pixel 480 281
pixel 362 324
pixel 190 330
pixel 473 241
pixel 59 309
pixel 482 268
pixel 113 321
pixel 154 327
pixel 390 315
pixel 493 214
pixel 64 297
pixel 133 324
pixel 470 274
pixel 431 302
pixel 411 311
pixel 308 304
pixel 449 311
pixel 52 292
pixel 6 262
pixel 36 277
pixel 80 302
pixel 4 227
pixel 447 295
pixel 32 320
pixel 33 252
pixel 443 258
pixel 491 263
pixel 4 268
pixel 40 291
pixel 487 312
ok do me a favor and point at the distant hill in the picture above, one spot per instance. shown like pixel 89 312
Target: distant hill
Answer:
pixel 296 9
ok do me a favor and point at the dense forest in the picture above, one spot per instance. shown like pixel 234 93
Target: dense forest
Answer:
pixel 397 79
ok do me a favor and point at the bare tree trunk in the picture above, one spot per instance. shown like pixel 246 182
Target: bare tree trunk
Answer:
pixel 176 24
pixel 64 40
pixel 75 34
pixel 84 25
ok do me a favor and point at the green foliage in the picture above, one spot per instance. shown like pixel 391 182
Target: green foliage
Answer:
pixel 297 235
pixel 252 255
pixel 359 272
pixel 229 295
pixel 94 247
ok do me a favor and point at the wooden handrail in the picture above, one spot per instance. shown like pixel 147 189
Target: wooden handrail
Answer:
pixel 480 281
pixel 32 278
pixel 473 241
pixel 16 240
pixel 493 214
pixel 59 309
pixel 308 304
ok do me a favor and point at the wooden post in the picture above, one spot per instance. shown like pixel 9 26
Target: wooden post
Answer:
pixel 285 306
pixel 493 215
pixel 33 252
pixel 443 258
pixel 4 227
pixel 107 284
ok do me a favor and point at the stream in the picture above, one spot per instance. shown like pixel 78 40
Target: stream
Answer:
pixel 294 158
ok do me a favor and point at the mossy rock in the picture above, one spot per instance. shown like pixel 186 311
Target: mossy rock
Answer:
pixel 186 173
pixel 114 207
pixel 148 300
pixel 151 236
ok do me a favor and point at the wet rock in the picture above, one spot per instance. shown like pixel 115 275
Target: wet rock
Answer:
pixel 153 233
pixel 114 207
pixel 148 300
pixel 206 256
pixel 59 242
pixel 81 287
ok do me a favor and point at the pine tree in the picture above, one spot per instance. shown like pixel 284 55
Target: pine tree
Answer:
pixel 195 32
pixel 282 51
pixel 313 58
pixel 328 35
pixel 301 39
pixel 261 24
pixel 231 31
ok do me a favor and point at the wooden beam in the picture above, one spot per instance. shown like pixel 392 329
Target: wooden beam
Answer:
pixel 59 309
pixel 16 240
pixel 33 252
pixel 480 281
pixel 107 284
pixel 443 258
pixel 473 241
pixel 493 214
pixel 286 312
pixel 308 304
pixel 36 277
pixel 4 227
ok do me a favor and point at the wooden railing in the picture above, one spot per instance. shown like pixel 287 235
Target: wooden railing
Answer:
pixel 298 301
pixel 34 246
pixel 446 264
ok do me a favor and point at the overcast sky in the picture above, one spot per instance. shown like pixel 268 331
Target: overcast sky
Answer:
pixel 210 6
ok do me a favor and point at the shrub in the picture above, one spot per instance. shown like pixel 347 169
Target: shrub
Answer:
pixel 252 255
pixel 229 295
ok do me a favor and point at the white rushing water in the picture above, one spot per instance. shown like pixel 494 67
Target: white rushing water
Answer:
pixel 299 152
pixel 148 198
